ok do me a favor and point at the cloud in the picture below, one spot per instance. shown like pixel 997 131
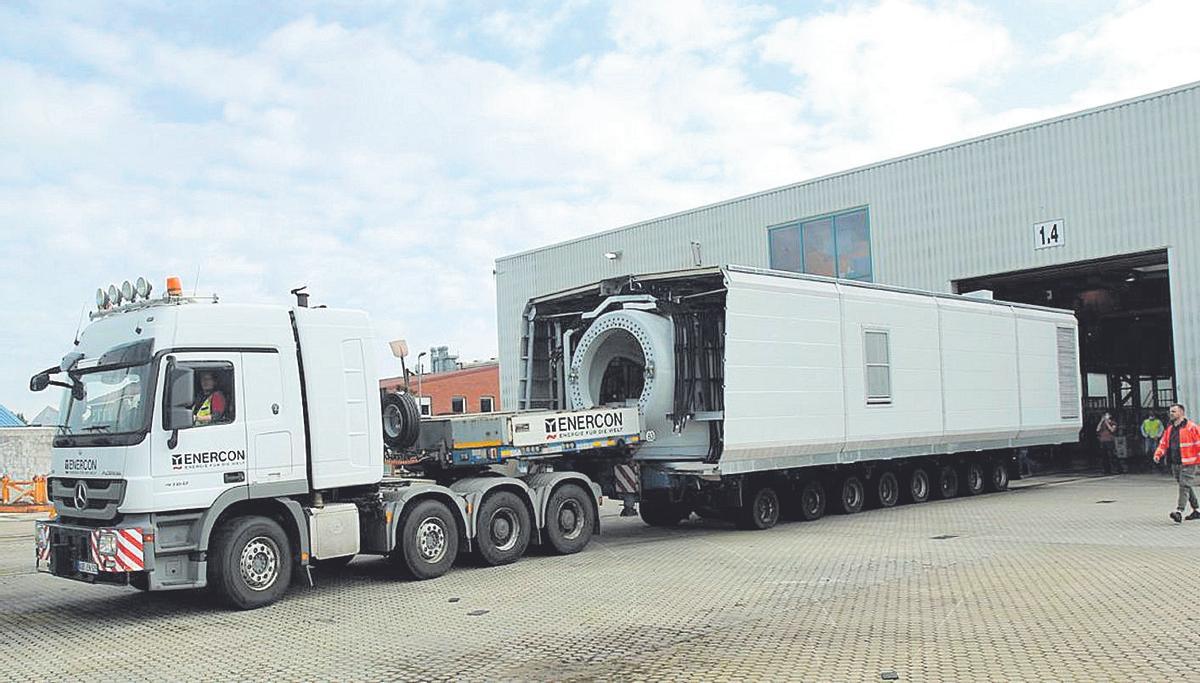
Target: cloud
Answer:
pixel 898 75
pixel 1138 48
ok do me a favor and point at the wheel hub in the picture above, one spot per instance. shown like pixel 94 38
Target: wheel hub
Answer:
pixel 570 520
pixel 505 529
pixel 259 563
pixel 431 540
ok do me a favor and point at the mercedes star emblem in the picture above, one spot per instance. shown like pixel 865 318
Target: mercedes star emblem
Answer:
pixel 81 499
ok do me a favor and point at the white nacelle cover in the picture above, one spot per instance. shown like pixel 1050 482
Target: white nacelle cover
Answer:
pixel 962 374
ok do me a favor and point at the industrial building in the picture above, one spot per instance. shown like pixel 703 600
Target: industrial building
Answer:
pixel 1094 212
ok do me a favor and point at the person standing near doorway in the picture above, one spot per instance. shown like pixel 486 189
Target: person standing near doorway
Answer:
pixel 1181 445
pixel 1106 432
pixel 1152 429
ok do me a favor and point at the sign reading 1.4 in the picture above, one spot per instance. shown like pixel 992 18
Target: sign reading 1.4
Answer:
pixel 1048 234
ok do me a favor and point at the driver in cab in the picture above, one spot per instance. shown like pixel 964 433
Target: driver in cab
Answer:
pixel 210 402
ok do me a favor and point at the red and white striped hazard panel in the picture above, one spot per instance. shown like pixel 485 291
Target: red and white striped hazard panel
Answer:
pixel 627 479
pixel 130 556
pixel 43 542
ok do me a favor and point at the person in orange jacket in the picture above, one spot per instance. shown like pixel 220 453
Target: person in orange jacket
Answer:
pixel 1181 443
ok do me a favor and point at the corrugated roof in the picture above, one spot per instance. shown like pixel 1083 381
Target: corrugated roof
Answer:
pixel 9 419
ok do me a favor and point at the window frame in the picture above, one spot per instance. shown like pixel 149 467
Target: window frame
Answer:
pixel 229 366
pixel 425 406
pixel 877 400
pixel 491 404
pixel 798 226
pixel 463 399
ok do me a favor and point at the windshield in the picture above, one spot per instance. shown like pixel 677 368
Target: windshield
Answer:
pixel 116 402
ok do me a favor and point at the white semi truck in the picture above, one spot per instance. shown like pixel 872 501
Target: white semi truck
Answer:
pixel 233 446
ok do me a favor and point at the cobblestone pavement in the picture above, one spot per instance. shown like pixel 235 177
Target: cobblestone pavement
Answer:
pixel 1076 580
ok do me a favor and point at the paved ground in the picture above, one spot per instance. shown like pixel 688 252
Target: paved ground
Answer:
pixel 1062 580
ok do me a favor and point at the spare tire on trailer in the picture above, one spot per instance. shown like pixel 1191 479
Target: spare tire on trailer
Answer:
pixel 401 420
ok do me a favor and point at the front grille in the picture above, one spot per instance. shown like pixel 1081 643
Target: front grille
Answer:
pixel 101 500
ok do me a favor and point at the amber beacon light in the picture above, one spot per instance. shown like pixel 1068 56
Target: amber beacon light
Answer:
pixel 174 286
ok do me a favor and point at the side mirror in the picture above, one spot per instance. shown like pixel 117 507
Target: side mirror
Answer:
pixel 179 396
pixel 78 392
pixel 39 381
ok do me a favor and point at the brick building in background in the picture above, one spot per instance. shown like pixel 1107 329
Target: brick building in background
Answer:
pixel 471 389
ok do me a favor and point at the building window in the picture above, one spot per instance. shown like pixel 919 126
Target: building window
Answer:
pixel 426 403
pixel 458 404
pixel 837 245
pixel 878 367
pixel 487 404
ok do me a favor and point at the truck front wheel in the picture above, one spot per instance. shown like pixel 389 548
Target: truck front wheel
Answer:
pixel 428 541
pixel 504 528
pixel 249 561
pixel 569 520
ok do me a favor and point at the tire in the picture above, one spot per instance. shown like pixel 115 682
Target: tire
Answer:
pixel 760 510
pixel 918 485
pixel 974 480
pixel 570 519
pixel 887 490
pixel 249 562
pixel 947 483
pixel 428 541
pixel 812 501
pixel 503 528
pixel 658 510
pixel 332 565
pixel 997 479
pixel 852 495
pixel 401 420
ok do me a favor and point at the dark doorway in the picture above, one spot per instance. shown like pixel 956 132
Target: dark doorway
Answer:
pixel 1123 305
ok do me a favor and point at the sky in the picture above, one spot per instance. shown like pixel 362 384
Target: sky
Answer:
pixel 385 154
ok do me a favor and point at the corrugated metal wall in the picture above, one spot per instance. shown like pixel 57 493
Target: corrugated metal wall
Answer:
pixel 1125 178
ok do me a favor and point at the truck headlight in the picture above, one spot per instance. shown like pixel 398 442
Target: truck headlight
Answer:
pixel 107 544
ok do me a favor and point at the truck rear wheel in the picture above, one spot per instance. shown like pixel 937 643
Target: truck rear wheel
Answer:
pixel 657 509
pixel 428 543
pixel 973 479
pixel 997 476
pixel 249 561
pixel 760 510
pixel 503 529
pixel 947 481
pixel 852 496
pixel 887 490
pixel 918 485
pixel 570 520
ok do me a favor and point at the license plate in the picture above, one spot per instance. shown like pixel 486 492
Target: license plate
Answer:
pixel 86 567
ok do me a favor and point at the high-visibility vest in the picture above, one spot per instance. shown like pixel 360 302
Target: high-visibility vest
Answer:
pixel 1152 428
pixel 205 409
pixel 1189 444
